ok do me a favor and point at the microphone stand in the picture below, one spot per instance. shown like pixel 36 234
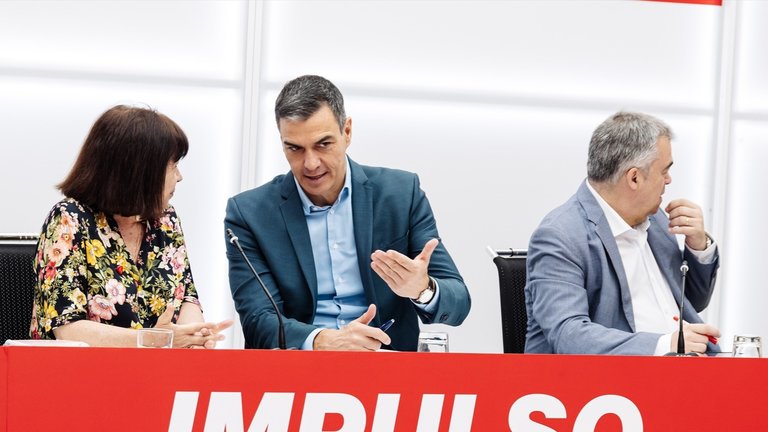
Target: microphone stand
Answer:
pixel 280 328
pixel 680 337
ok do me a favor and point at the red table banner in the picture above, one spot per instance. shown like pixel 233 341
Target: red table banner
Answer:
pixel 131 389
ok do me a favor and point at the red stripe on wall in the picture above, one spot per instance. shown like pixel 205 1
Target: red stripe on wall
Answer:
pixel 702 2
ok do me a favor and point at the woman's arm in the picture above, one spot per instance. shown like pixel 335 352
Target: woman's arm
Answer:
pixel 185 334
pixel 190 313
pixel 96 334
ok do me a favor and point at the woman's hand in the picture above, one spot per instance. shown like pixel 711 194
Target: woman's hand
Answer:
pixel 194 334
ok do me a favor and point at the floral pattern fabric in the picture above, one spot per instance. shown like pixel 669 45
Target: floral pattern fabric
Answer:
pixel 84 271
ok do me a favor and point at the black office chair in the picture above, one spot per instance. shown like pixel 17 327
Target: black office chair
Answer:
pixel 17 284
pixel 514 318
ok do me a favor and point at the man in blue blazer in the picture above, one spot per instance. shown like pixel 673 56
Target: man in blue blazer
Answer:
pixel 604 269
pixel 342 247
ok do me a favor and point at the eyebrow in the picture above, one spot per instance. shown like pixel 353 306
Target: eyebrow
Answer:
pixel 669 166
pixel 323 138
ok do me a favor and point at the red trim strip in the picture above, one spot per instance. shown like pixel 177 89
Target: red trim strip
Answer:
pixel 700 2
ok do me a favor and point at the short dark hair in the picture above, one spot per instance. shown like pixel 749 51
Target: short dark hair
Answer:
pixel 624 140
pixel 122 165
pixel 303 96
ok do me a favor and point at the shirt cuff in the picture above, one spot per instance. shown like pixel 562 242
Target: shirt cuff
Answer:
pixel 430 307
pixel 707 255
pixel 662 346
pixel 309 342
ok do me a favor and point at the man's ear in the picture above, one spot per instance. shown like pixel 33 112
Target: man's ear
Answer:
pixel 633 178
pixel 347 131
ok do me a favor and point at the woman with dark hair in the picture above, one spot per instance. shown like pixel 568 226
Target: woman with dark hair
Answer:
pixel 111 257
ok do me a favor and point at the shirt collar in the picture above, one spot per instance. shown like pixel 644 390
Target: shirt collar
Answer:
pixel 618 225
pixel 307 204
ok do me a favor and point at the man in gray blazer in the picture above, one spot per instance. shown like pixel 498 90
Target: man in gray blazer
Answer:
pixel 604 269
pixel 342 247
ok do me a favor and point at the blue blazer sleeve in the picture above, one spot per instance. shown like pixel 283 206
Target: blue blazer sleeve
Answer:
pixel 454 301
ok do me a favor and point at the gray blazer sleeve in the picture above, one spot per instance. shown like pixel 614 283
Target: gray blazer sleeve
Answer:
pixel 558 304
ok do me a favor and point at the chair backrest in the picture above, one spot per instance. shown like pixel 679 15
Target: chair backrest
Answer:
pixel 17 284
pixel 514 318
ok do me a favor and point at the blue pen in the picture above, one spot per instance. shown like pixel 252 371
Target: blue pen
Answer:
pixel 384 327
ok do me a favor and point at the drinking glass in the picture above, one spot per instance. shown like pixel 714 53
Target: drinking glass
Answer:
pixel 154 338
pixel 433 342
pixel 747 346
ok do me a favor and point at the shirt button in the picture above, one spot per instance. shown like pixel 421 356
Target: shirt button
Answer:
pixel 333 211
pixel 335 245
pixel 342 322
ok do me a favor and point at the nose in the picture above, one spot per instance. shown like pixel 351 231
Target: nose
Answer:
pixel 179 177
pixel 311 161
pixel 668 179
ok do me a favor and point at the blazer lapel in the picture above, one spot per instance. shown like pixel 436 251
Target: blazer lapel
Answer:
pixel 603 231
pixel 362 218
pixel 296 225
pixel 659 243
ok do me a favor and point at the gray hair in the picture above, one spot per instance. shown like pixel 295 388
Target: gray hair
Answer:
pixel 623 141
pixel 301 97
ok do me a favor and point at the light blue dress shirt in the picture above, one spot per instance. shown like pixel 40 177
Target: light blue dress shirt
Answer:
pixel 340 295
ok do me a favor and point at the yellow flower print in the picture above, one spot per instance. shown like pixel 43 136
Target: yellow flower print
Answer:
pixel 121 261
pixel 50 314
pixel 93 249
pixel 157 304
pixel 78 298
pixel 50 311
pixel 136 325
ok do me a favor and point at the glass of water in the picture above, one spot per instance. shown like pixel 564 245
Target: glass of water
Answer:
pixel 747 346
pixel 154 338
pixel 433 342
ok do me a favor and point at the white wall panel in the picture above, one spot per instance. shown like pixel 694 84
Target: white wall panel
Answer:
pixel 270 158
pixel 744 300
pixel 591 50
pixel 751 86
pixel 692 152
pixel 190 39
pixel 743 297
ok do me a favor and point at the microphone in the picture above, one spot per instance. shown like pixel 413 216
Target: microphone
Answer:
pixel 680 338
pixel 280 328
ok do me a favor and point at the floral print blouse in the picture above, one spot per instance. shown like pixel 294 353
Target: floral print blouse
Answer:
pixel 84 271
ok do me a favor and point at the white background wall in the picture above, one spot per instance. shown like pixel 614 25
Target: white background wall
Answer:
pixel 491 102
